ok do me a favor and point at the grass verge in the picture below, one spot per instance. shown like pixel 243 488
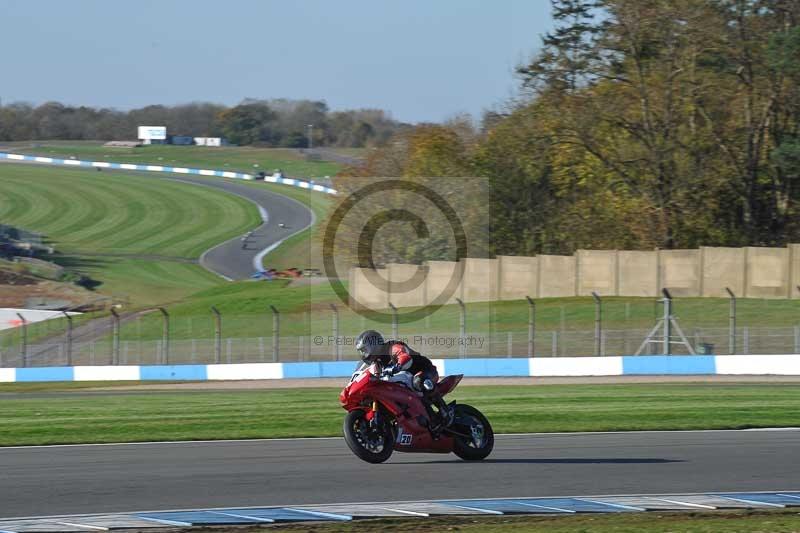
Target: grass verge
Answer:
pixel 655 522
pixel 147 416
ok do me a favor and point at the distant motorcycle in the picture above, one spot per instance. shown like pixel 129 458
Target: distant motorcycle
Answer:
pixel 385 414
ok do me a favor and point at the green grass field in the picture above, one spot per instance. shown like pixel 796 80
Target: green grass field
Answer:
pixel 108 213
pixel 243 159
pixel 136 235
pixel 152 416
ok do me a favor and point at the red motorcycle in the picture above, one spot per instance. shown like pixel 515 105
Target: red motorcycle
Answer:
pixel 385 413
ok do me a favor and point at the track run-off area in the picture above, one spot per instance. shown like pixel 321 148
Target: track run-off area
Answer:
pixel 79 479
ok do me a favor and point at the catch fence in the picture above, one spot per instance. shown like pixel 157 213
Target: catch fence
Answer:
pixel 324 347
pixel 507 329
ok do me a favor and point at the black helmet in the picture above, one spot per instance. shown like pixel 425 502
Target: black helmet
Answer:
pixel 370 345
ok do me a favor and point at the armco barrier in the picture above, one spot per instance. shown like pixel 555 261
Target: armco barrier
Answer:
pixel 160 168
pixel 787 365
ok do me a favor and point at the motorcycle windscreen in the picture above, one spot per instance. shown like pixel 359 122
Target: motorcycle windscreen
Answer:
pixel 448 384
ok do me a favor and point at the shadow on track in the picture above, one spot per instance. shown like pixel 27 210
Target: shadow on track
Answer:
pixel 565 460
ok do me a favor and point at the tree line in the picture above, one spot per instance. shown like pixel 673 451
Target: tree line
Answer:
pixel 641 124
pixel 277 122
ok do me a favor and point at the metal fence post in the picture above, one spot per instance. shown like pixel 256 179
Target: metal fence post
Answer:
pixel 462 329
pixel 598 324
pixel 337 352
pixel 276 333
pixel 531 325
pixel 217 335
pixel 164 335
pixel 68 340
pixel 731 323
pixel 114 337
pixel 554 335
pixel 746 340
pixel 510 336
pixel 667 322
pixel 394 320
pixel 301 347
pixel 797 339
pixel 23 341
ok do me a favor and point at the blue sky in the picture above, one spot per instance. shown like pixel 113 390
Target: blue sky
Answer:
pixel 422 60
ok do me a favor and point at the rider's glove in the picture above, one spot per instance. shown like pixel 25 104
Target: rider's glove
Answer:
pixel 392 369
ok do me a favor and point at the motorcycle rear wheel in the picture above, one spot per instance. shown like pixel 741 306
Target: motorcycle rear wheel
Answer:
pixel 373 445
pixel 469 420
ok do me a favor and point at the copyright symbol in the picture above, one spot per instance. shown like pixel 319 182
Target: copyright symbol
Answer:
pixel 376 205
pixel 319 340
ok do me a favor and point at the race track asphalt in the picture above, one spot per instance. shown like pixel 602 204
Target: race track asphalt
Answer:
pixel 93 479
pixel 234 259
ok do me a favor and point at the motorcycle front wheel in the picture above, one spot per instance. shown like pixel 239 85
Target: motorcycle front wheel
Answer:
pixel 370 444
pixel 479 444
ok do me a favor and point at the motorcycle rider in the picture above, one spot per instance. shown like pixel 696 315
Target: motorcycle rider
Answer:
pixel 396 356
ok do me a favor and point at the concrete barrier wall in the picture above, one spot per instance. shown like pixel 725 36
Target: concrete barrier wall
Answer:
pixel 369 289
pixel 597 272
pixel 748 272
pixel 679 272
pixel 518 277
pixel 766 272
pixel 794 270
pixel 480 280
pixel 440 285
pixel 787 365
pixel 407 284
pixel 722 267
pixel 556 276
pixel 637 273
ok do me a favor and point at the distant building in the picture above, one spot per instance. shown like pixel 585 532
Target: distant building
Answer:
pixel 152 134
pixel 210 141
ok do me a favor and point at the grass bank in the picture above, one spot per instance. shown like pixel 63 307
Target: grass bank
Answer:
pixel 147 416
pixel 134 235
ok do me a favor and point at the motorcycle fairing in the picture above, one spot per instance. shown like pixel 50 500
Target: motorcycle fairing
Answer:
pixel 404 405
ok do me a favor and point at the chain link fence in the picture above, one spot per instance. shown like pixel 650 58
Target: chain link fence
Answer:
pixel 600 327
pixel 327 348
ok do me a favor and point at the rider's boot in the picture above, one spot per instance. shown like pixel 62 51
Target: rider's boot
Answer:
pixel 438 420
pixel 445 411
pixel 434 421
